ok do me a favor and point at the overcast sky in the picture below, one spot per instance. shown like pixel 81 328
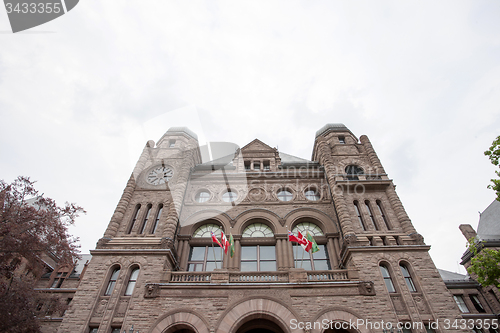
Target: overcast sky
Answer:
pixel 81 95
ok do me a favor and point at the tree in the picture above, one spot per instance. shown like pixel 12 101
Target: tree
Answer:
pixel 485 264
pixel 31 227
pixel 493 154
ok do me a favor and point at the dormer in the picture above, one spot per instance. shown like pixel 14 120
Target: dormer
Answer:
pixel 257 157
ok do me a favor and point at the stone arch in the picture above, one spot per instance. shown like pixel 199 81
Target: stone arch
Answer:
pixel 337 314
pixel 190 224
pixel 252 308
pixel 325 222
pixel 244 219
pixel 180 318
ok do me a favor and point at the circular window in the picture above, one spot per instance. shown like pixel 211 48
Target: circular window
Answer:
pixel 202 196
pixel 204 230
pixel 230 196
pixel 257 230
pixel 312 194
pixel 285 195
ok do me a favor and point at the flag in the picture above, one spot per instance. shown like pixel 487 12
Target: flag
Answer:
pixel 231 245
pixel 214 239
pixel 224 241
pixel 292 237
pixel 306 244
pixel 314 247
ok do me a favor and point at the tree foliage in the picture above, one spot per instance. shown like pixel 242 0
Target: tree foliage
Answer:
pixel 32 227
pixel 485 264
pixel 493 154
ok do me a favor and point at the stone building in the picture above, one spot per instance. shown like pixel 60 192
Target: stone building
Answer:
pixel 155 268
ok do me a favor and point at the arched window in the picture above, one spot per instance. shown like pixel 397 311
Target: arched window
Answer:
pixel 387 278
pixel 308 260
pixel 381 211
pixel 358 213
pixel 353 171
pixel 134 218
pixel 257 230
pixel 157 219
pixel 407 277
pixel 145 222
pixel 204 230
pixel 131 281
pixel 367 203
pixel 112 281
pixel 304 227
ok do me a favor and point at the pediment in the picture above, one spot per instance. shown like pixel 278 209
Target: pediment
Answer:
pixel 257 146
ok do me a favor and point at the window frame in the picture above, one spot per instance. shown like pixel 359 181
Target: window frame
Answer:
pixel 135 215
pixel 460 301
pixel 202 196
pixel 283 194
pixel 132 281
pixel 407 276
pixel 388 281
pixel 357 210
pixel 228 197
pixel 206 259
pixel 258 259
pixel 111 285
pixel 145 219
pixel 157 219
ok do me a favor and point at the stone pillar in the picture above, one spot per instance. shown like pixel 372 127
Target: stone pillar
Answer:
pixel 289 251
pixel 379 169
pixel 398 208
pixel 177 192
pixel 117 217
pixel 334 262
pixel 325 158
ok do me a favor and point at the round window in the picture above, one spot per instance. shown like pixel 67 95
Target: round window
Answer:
pixel 312 194
pixel 230 196
pixel 285 195
pixel 202 196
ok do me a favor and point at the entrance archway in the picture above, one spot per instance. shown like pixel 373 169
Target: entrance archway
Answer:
pixel 259 326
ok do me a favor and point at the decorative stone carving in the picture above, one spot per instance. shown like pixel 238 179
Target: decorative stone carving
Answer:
pixel 257 194
pixel 99 311
pixel 366 288
pixel 152 291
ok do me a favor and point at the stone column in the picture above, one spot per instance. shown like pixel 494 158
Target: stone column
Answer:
pixel 398 208
pixel 325 158
pixel 334 262
pixel 379 169
pixel 117 217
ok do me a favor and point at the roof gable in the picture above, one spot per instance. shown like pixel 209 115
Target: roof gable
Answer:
pixel 257 145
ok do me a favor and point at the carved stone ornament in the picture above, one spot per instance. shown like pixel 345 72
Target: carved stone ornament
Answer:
pixel 257 195
pixel 152 291
pixel 350 239
pixel 366 288
pixel 417 238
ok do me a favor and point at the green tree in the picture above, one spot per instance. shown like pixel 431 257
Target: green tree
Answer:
pixel 485 264
pixel 493 154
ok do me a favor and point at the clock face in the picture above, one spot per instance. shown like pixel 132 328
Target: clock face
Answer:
pixel 160 175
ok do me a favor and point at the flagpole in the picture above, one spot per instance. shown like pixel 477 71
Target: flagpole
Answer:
pixel 296 254
pixel 302 258
pixel 215 259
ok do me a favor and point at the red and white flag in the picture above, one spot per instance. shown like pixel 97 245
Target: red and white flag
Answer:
pixel 306 244
pixel 214 239
pixel 225 242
